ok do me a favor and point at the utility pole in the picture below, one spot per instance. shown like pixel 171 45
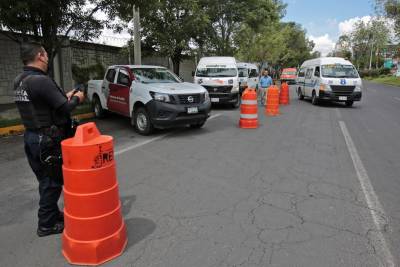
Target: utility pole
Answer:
pixel 136 33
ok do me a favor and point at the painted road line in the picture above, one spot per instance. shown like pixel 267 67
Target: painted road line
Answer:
pixel 126 149
pixel 375 207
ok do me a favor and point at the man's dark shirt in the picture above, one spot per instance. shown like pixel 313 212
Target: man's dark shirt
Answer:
pixel 40 101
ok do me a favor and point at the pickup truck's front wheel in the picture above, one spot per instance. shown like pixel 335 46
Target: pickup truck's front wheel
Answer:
pixel 142 122
pixel 98 109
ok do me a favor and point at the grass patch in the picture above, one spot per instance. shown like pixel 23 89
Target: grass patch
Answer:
pixel 390 80
pixel 9 122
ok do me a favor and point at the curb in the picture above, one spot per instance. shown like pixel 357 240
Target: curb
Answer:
pixel 19 129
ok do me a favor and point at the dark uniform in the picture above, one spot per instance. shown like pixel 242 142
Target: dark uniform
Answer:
pixel 45 113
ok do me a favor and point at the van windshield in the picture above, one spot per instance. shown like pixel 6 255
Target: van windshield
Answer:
pixel 243 72
pixel 154 75
pixel 339 71
pixel 216 72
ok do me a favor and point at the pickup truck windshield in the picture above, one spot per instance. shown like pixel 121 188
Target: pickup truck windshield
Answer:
pixel 154 75
pixel 216 72
pixel 243 72
pixel 339 71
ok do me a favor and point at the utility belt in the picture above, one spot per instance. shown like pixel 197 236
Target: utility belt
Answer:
pixel 50 142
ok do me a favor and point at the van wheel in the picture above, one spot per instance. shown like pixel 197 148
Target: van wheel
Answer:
pixel 349 103
pixel 237 103
pixel 300 94
pixel 142 121
pixel 98 109
pixel 314 99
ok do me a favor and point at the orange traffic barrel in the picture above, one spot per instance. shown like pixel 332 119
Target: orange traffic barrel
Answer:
pixel 95 231
pixel 272 106
pixel 284 94
pixel 248 110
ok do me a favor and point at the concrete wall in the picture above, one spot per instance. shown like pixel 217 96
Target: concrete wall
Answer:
pixel 79 53
pixel 10 66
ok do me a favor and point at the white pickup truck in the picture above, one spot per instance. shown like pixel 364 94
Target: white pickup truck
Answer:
pixel 152 96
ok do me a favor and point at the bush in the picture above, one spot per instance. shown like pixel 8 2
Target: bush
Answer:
pixel 384 71
pixel 374 72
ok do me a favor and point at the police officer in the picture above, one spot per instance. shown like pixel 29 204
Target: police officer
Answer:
pixel 45 112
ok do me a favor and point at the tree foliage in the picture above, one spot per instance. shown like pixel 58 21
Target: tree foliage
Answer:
pixel 52 21
pixel 367 41
pixel 279 44
pixel 170 27
pixel 228 17
pixel 391 10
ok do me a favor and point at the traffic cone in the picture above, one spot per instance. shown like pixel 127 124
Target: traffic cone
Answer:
pixel 272 106
pixel 248 110
pixel 284 94
pixel 95 231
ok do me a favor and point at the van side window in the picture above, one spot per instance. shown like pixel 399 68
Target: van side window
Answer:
pixel 301 73
pixel 110 75
pixel 253 73
pixel 309 73
pixel 317 72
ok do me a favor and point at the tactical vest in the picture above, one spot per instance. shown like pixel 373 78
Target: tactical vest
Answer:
pixel 33 116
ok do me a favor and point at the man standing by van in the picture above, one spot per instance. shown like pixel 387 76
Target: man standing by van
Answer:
pixel 265 82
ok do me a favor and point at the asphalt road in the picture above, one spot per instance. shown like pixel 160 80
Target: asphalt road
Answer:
pixel 315 186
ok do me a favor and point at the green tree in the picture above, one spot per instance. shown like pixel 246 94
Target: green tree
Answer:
pixel 390 9
pixel 279 44
pixel 228 17
pixel 368 39
pixel 53 21
pixel 170 26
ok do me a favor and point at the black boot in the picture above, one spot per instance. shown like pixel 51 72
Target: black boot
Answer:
pixel 56 229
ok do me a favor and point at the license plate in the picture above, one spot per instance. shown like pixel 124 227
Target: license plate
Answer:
pixel 342 97
pixel 215 100
pixel 192 110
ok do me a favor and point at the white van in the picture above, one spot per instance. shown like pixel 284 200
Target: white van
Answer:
pixel 219 76
pixel 248 76
pixel 329 78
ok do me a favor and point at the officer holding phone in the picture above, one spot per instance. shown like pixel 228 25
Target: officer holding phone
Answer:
pixel 45 112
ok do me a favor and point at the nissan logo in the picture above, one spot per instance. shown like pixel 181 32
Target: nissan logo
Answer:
pixel 190 99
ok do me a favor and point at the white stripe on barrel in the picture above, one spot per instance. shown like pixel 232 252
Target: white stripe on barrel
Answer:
pixel 248 116
pixel 249 102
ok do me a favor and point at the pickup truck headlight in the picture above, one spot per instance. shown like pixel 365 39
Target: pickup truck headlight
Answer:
pixel 206 97
pixel 160 97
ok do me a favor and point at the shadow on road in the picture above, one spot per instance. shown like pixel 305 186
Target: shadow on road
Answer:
pixel 138 229
pixel 328 104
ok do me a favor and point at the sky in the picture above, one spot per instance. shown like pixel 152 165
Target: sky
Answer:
pixel 326 20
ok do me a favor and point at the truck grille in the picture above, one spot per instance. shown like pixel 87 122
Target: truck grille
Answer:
pixel 218 89
pixel 190 99
pixel 342 90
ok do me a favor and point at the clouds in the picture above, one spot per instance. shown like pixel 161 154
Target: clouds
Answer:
pixel 347 26
pixel 323 44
